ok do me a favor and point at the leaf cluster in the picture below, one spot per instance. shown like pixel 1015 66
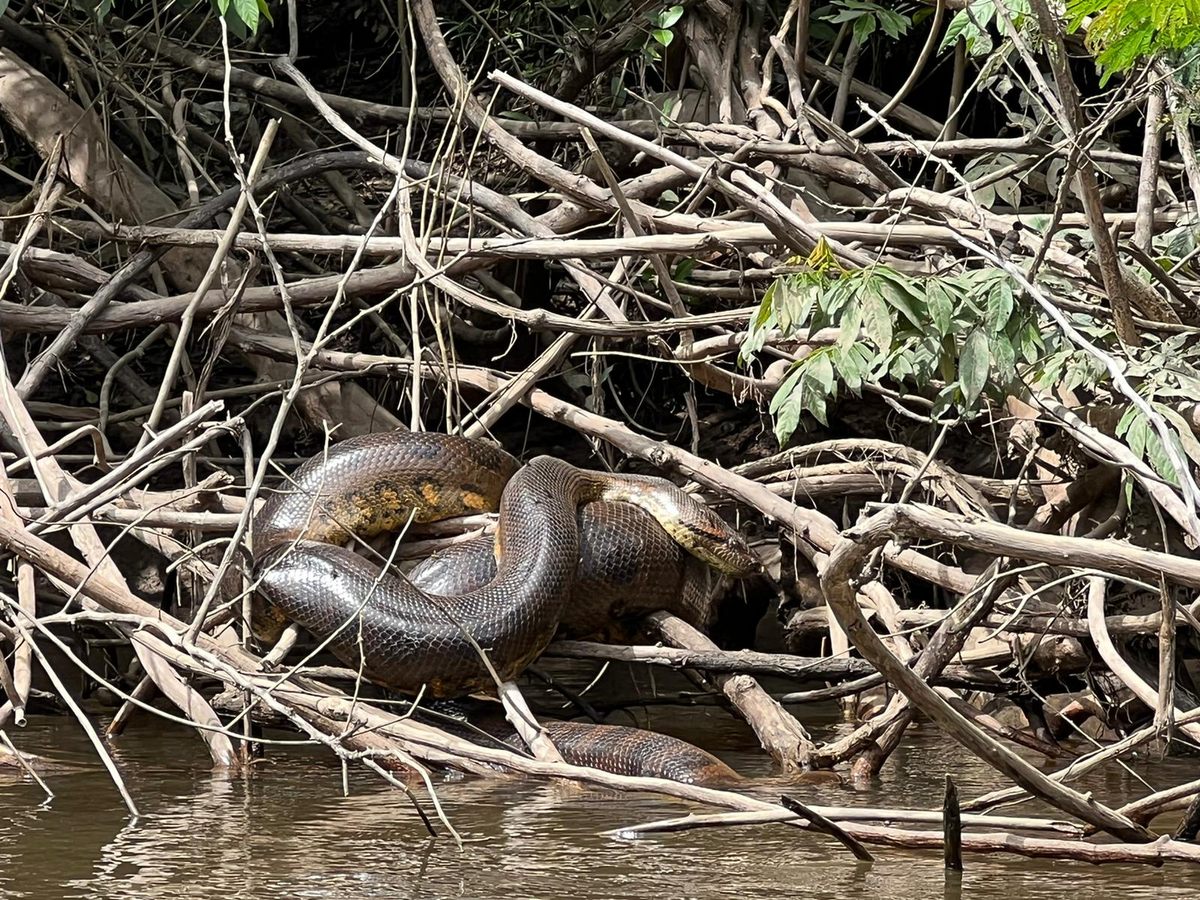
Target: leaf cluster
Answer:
pixel 1120 32
pixel 953 337
pixel 243 16
pixel 866 18
pixel 973 24
pixel 663 22
pixel 1166 372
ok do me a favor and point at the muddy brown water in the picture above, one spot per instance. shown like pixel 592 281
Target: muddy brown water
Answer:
pixel 289 832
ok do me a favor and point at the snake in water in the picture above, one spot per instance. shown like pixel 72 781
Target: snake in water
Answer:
pixel 430 636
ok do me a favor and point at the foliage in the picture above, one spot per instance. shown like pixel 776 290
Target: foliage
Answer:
pixel 1007 189
pixel 246 12
pixel 959 338
pixel 956 337
pixel 243 16
pixel 1163 373
pixel 974 23
pixel 1123 31
pixel 661 32
pixel 866 18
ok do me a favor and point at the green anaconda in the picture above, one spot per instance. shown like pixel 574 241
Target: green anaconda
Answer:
pixel 429 636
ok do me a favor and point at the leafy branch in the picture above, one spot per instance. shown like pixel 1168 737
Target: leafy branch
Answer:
pixel 954 336
pixel 1120 32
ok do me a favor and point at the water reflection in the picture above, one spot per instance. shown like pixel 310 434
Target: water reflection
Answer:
pixel 289 832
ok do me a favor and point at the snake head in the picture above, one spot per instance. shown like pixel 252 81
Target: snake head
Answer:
pixel 714 541
pixel 734 557
pixel 691 523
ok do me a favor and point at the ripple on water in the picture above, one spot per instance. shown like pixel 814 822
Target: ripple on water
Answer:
pixel 288 832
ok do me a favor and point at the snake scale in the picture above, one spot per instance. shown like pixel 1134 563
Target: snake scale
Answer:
pixel 573 549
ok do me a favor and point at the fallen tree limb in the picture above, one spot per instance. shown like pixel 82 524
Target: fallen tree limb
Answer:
pixel 1154 853
pixel 837 582
pixel 750 662
pixel 778 731
pixel 910 520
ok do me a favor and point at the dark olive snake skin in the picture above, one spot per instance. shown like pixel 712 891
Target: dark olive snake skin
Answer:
pixel 628 567
pixel 551 513
pixel 613 748
pixel 632 751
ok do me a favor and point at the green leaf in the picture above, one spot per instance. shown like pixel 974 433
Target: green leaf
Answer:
pixel 999 305
pixel 764 319
pixel 832 298
pixel 810 295
pixel 1040 222
pixel 1188 442
pixel 820 370
pixel 663 36
pixel 943 359
pixel 944 401
pixel 1084 369
pixel 816 406
pixel 1131 413
pixel 973 365
pixel 893 24
pixel 766 308
pixel 794 299
pixel 1008 190
pixel 1121 32
pixel 247 11
pixel 783 302
pixel 1052 369
pixel 684 269
pixel 787 420
pixel 785 390
pixel 1033 345
pixel 1156 453
pixel 787 404
pixel 902 365
pixel 940 305
pixel 847 15
pixel 808 387
pixel 978 41
pixel 863 28
pixel 853 367
pixel 850 325
pixel 877 322
pixel 1138 434
pixel 899 293
pixel 1004 358
pixel 985 196
pixel 670 16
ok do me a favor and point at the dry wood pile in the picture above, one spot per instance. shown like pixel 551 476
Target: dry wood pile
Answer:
pixel 977 495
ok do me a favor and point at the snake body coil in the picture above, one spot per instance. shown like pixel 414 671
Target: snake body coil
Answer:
pixel 407 638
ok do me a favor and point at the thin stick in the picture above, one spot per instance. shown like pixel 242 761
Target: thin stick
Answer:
pixel 837 582
pixel 1097 589
pixel 16 702
pixel 1189 828
pixel 84 722
pixel 517 711
pixel 214 266
pixel 952 827
pixel 24 764
pixel 830 828
pixel 846 814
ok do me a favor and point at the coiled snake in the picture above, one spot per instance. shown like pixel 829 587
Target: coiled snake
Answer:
pixel 408 638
